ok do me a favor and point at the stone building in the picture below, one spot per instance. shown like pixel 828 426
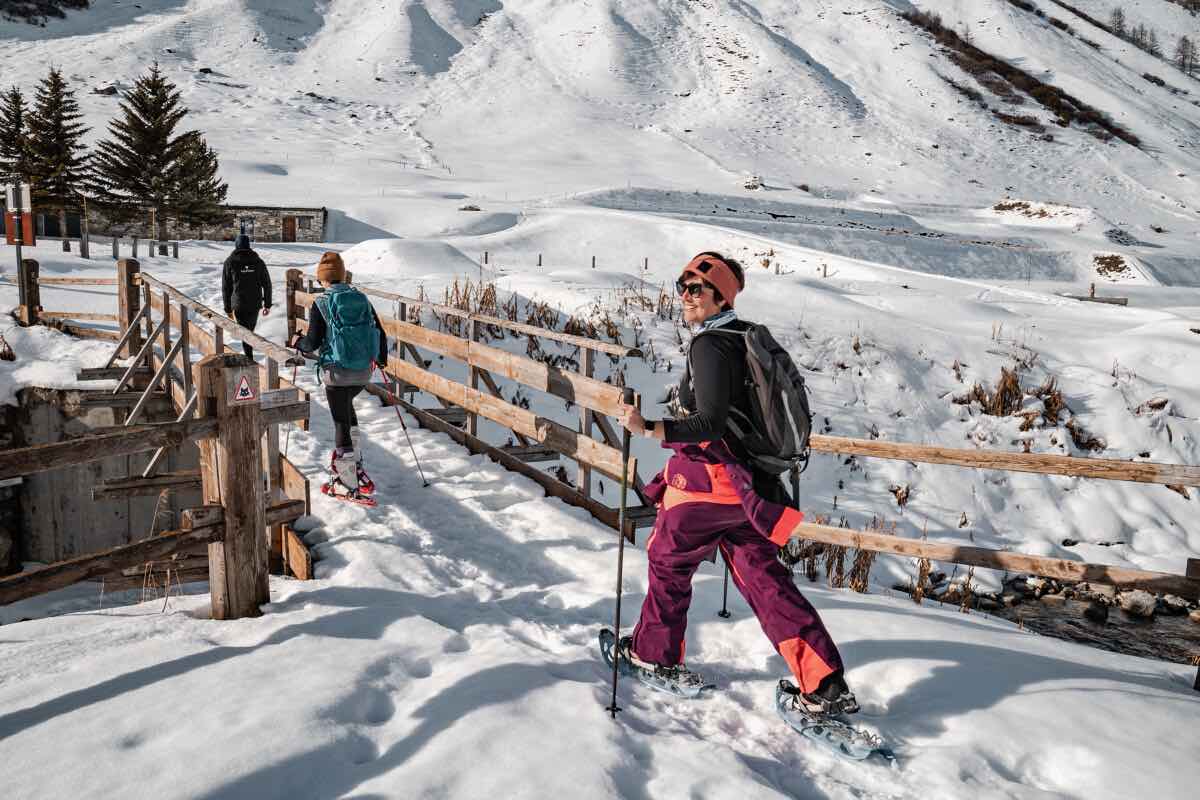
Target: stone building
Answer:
pixel 263 223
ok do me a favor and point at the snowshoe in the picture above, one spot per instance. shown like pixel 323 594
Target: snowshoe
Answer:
pixel 838 736
pixel 337 491
pixel 678 681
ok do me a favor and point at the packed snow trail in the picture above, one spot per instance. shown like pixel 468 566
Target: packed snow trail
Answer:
pixel 447 648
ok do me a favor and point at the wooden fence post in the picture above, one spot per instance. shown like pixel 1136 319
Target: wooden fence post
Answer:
pixel 232 476
pixel 472 335
pixel 116 247
pixel 587 366
pixel 28 313
pixel 272 469
pixel 129 302
pixel 175 250
pixel 135 246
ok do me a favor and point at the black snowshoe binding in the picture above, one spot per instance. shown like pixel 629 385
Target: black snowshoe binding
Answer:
pixel 815 717
pixel 676 680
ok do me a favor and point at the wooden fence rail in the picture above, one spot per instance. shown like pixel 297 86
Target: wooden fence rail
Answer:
pixel 237 432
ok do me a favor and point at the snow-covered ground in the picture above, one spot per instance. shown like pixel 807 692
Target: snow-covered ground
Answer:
pixel 447 647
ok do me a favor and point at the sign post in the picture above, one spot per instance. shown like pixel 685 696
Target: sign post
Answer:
pixel 18 201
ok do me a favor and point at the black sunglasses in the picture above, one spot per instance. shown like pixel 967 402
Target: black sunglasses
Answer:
pixel 693 289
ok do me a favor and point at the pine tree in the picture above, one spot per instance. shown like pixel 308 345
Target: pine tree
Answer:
pixel 1117 23
pixel 14 147
pixel 145 167
pixel 199 191
pixel 57 161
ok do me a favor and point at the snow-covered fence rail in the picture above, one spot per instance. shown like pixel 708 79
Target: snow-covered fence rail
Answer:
pixel 31 312
pixel 538 437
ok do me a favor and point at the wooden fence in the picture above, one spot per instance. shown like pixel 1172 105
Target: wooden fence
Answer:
pixel 597 400
pixel 536 438
pixel 161 333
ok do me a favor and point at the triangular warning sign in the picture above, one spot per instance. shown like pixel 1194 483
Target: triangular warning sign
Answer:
pixel 244 393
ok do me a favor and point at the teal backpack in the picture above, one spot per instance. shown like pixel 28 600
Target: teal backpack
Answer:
pixel 351 339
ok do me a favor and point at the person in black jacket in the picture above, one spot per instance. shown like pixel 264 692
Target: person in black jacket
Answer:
pixel 708 496
pixel 341 385
pixel 245 286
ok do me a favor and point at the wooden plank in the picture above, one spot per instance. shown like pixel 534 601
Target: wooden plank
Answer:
pixel 490 383
pixel 532 453
pixel 236 462
pixel 131 487
pixel 580 389
pixel 1112 301
pixel 587 368
pixel 604 459
pixel 85 316
pixel 553 487
pixel 140 439
pixel 266 347
pixel 299 560
pixel 84 332
pixel 454 415
pixel 292 412
pixel 107 373
pixel 160 571
pixel 79 282
pixel 1045 464
pixel 102 397
pixel 618 350
pixel 294 483
pixel 65 573
pixel 1059 569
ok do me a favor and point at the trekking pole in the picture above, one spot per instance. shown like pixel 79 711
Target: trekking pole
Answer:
pixel 724 612
pixel 616 656
pixel 396 404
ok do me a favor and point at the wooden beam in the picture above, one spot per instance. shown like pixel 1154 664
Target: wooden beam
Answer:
pixel 133 487
pixel 1057 568
pixel 532 453
pixel 299 560
pixel 65 573
pixel 265 346
pixel 1044 464
pixel 84 332
pixel 238 582
pixel 103 397
pixel 621 351
pixel 602 458
pixel 129 306
pixel 135 577
pixel 83 316
pixel 107 373
pixel 79 282
pixel 140 439
pixel 580 389
pixel 553 487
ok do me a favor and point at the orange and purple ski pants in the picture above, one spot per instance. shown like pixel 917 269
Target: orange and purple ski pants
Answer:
pixel 706 500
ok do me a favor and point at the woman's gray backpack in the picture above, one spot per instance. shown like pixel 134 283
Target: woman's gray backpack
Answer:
pixel 776 433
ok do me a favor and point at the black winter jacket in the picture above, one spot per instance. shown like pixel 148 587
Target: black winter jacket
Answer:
pixel 713 383
pixel 245 282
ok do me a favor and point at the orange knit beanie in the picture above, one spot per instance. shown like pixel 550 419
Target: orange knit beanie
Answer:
pixel 331 269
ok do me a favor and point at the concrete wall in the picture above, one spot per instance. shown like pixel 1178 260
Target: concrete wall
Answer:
pixel 57 517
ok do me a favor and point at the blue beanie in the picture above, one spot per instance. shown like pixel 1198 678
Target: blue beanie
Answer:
pixel 242 242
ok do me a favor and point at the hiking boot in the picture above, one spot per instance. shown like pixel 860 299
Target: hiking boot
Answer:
pixel 831 698
pixel 678 675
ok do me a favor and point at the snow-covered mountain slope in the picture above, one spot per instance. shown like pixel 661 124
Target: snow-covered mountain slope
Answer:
pixel 420 101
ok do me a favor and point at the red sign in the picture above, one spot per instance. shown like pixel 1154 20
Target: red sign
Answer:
pixel 10 228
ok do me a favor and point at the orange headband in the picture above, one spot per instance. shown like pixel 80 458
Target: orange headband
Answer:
pixel 719 275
